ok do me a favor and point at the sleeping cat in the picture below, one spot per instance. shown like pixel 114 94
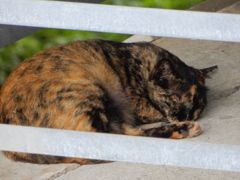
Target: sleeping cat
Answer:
pixel 102 86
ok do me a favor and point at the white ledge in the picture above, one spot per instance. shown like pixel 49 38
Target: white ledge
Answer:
pixel 119 19
pixel 119 148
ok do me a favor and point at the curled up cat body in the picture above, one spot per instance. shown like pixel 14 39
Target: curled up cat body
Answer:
pixel 102 86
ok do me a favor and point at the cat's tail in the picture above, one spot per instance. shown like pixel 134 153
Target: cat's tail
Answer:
pixel 47 159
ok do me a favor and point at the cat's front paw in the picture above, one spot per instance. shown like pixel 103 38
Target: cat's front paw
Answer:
pixel 186 129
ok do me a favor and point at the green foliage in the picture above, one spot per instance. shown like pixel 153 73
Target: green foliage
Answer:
pixel 12 55
pixel 166 4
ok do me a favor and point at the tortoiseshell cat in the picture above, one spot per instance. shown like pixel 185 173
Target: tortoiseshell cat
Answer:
pixel 103 86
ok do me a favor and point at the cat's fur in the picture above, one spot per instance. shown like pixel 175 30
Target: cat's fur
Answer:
pixel 102 86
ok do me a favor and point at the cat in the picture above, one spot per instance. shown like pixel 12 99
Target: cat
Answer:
pixel 103 86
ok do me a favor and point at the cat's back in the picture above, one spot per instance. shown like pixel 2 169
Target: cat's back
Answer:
pixel 81 62
pixel 70 63
pixel 57 82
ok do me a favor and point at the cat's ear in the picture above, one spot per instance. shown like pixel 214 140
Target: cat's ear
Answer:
pixel 208 71
pixel 163 69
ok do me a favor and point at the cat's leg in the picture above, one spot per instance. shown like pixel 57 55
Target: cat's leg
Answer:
pixel 178 130
pixel 151 121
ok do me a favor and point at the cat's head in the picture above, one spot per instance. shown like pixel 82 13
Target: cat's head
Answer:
pixel 184 85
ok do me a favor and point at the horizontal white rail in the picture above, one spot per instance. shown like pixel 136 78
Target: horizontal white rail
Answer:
pixel 119 148
pixel 119 19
